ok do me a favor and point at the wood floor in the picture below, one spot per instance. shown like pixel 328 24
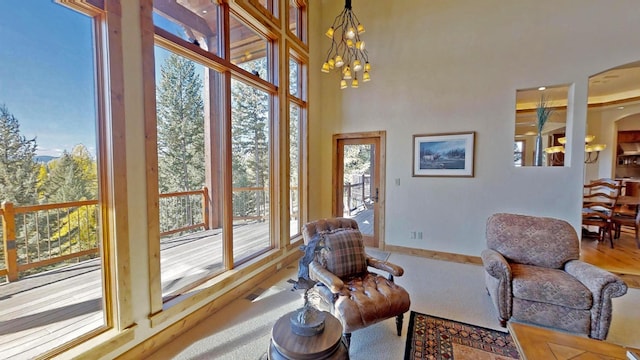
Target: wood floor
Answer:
pixel 623 259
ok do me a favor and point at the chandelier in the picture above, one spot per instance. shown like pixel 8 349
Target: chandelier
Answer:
pixel 591 150
pixel 347 52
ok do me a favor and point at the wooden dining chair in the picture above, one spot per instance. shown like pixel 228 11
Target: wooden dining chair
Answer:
pixel 628 214
pixel 598 206
pixel 620 220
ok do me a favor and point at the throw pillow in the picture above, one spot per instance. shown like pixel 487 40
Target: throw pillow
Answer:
pixel 343 253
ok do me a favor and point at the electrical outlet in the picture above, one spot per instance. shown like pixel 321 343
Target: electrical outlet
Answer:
pixel 412 235
pixel 420 235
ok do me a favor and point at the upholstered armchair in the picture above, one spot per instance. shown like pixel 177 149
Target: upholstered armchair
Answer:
pixel 533 275
pixel 345 287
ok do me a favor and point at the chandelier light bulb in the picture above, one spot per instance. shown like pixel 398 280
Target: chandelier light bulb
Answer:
pixel 366 77
pixel 351 33
pixel 357 66
pixel 354 83
pixel 339 61
pixel 332 63
pixel 350 43
pixel 329 33
pixel 325 67
pixel 360 28
pixel 360 45
pixel 367 66
pixel 347 73
pixel 343 84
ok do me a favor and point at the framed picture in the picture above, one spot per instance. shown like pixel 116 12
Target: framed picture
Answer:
pixel 444 154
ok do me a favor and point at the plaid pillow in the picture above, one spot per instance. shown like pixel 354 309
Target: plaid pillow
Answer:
pixel 343 253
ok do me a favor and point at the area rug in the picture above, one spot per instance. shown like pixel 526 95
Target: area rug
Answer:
pixel 430 337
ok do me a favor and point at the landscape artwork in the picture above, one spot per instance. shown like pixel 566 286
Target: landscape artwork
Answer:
pixel 443 154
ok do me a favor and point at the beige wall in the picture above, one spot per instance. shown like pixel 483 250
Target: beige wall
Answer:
pixel 454 65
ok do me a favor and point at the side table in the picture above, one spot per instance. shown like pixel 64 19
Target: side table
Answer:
pixel 534 342
pixel 285 345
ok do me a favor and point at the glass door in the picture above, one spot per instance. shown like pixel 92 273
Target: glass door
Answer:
pixel 357 180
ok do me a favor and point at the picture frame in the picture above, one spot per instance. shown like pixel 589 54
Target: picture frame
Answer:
pixel 448 154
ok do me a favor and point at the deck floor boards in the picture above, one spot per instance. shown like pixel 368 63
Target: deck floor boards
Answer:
pixel 42 311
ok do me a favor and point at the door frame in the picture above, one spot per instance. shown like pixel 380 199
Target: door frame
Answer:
pixel 379 214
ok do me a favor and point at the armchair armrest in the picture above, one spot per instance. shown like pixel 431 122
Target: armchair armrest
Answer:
pixel 391 268
pixel 496 265
pixel 603 286
pixel 596 279
pixel 318 273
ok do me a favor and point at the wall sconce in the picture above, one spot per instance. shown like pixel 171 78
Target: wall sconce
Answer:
pixel 347 50
pixel 589 149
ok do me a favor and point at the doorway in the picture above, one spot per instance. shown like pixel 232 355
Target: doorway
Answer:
pixel 358 182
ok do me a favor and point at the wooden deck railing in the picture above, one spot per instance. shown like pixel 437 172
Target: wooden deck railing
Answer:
pixel 37 236
pixel 357 194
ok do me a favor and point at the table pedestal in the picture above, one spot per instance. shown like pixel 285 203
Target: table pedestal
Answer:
pixel 285 345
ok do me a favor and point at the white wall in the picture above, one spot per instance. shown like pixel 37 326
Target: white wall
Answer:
pixel 454 65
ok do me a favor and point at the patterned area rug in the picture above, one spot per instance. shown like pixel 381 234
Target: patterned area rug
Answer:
pixel 430 337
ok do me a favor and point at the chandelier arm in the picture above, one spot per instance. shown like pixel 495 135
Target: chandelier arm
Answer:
pixel 365 55
pixel 338 17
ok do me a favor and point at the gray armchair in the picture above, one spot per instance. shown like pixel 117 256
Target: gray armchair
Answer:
pixel 533 275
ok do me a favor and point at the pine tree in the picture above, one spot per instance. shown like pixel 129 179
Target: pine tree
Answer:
pixel 180 109
pixel 250 148
pixel 72 177
pixel 18 171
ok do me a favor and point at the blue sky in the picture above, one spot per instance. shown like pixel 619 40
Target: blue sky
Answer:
pixel 47 73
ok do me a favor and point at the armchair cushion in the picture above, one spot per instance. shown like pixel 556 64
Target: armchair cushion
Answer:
pixel 343 253
pixel 369 299
pixel 550 286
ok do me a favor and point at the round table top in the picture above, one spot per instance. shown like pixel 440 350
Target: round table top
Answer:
pixel 306 347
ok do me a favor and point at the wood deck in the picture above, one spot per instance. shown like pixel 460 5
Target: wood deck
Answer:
pixel 43 311
pixel 364 218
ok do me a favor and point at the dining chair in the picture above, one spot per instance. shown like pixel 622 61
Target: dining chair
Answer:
pixel 627 214
pixel 598 205
pixel 620 220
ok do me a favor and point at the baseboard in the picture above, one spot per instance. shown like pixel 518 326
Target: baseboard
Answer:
pixel 632 280
pixel 436 255
pixel 150 345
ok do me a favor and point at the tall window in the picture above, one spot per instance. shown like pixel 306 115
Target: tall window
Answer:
pixel 190 249
pixel 298 18
pixel 49 181
pixel 269 6
pixel 203 125
pixel 250 170
pixel 249 49
pixel 297 107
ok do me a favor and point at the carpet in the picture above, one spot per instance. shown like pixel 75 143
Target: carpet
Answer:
pixel 430 337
